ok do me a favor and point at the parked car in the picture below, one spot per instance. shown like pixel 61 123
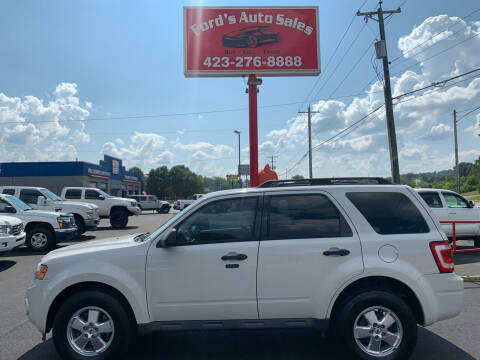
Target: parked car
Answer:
pixel 115 208
pixel 449 206
pixel 11 233
pixel 43 228
pixel 367 262
pixel 151 202
pixel 182 204
pixel 86 215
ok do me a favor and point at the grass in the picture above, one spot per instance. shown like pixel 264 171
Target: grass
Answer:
pixel 470 193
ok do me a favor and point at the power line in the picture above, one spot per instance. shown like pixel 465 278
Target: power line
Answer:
pixel 468 113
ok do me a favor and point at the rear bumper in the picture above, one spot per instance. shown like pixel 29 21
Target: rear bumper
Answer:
pixel 65 234
pixel 442 296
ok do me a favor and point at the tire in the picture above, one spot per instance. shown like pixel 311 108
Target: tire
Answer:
pixel 113 325
pixel 140 207
pixel 119 219
pixel 80 226
pixel 352 314
pixel 40 239
pixel 252 41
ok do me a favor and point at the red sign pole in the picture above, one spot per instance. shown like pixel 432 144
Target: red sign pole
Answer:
pixel 253 127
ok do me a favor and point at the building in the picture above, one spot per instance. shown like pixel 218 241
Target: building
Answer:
pixel 109 175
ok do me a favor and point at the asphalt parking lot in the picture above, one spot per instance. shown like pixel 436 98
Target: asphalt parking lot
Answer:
pixel 452 339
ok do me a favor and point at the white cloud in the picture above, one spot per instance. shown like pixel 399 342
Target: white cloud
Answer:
pixel 438 132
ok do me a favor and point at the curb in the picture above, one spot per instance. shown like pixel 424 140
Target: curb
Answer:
pixel 470 278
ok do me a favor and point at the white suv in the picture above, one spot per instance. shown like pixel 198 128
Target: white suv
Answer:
pixel 368 262
pixel 11 233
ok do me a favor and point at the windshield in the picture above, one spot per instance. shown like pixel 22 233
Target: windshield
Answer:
pixel 17 202
pixel 50 195
pixel 104 194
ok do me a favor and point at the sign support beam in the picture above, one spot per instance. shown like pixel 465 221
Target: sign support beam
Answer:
pixel 253 81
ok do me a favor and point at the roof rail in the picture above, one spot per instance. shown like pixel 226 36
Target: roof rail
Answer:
pixel 327 181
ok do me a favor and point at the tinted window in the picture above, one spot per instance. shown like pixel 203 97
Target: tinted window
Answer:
pixel 454 201
pixel 92 194
pixel 389 212
pixel 152 198
pixel 143 198
pixel 3 205
pixel 9 191
pixel 220 221
pixel 432 199
pixel 30 196
pixel 304 216
pixel 73 194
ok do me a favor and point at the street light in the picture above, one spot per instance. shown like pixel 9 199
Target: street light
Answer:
pixel 238 133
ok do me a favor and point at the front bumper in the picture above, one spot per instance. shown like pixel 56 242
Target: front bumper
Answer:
pixel 65 234
pixel 134 210
pixel 442 296
pixel 35 305
pixel 11 242
pixel 91 224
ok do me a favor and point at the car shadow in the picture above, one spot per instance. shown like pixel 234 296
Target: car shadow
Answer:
pixel 255 344
pixel 6 264
pixel 109 228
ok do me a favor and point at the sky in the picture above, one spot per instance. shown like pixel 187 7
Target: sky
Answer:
pixel 79 79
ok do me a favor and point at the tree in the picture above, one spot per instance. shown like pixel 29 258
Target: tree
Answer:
pixel 297 177
pixel 139 172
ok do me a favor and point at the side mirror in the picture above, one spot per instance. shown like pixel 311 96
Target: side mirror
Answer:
pixel 10 210
pixel 41 200
pixel 471 204
pixel 101 197
pixel 170 240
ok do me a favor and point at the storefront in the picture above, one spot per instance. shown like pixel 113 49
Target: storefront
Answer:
pixel 109 175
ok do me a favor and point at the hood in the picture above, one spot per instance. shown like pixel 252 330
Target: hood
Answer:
pixel 127 200
pixel 9 220
pixel 44 213
pixel 89 247
pixel 74 203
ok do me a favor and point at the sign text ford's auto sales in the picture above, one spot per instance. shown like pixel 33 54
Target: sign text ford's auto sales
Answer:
pixel 234 41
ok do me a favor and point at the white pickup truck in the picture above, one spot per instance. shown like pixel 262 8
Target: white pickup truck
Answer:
pixel 86 215
pixel 450 206
pixel 116 208
pixel 44 228
pixel 182 204
pixel 11 233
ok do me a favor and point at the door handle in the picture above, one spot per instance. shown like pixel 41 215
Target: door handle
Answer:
pixel 234 256
pixel 334 251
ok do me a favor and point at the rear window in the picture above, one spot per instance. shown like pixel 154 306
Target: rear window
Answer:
pixel 73 194
pixel 9 191
pixel 389 212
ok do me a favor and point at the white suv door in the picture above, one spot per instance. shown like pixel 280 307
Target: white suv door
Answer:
pixel 459 210
pixel 307 250
pixel 210 274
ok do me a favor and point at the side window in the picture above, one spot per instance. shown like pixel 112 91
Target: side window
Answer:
pixel 9 191
pixel 389 212
pixel 152 198
pixel 454 201
pixel 29 196
pixel 229 220
pixel 92 195
pixel 3 205
pixel 303 217
pixel 73 194
pixel 432 199
pixel 143 198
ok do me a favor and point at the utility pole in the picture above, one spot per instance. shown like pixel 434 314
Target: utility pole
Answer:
pixel 381 50
pixel 273 157
pixel 309 116
pixel 457 170
pixel 238 133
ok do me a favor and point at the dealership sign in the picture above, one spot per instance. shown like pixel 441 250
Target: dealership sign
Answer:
pixel 268 41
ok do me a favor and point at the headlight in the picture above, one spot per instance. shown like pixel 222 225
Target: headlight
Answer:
pixel 134 204
pixel 5 229
pixel 41 271
pixel 89 213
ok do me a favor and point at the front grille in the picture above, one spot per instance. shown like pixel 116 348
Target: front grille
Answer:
pixel 17 229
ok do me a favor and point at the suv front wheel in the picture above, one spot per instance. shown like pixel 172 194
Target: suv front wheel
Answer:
pixel 92 324
pixel 376 325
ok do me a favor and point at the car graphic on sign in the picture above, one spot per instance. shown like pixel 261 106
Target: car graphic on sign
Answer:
pixel 251 36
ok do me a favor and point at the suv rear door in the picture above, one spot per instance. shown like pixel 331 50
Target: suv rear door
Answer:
pixel 194 280
pixel 308 248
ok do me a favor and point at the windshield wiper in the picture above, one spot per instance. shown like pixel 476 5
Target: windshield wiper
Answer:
pixel 141 236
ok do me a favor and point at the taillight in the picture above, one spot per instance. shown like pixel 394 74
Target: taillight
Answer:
pixel 443 256
pixel 178 203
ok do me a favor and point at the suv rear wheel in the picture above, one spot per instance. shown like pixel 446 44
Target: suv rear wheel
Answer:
pixel 119 219
pixel 92 324
pixel 376 325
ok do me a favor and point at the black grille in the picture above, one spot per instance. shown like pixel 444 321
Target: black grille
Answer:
pixel 17 229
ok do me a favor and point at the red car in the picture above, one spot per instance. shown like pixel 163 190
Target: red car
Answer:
pixel 251 36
